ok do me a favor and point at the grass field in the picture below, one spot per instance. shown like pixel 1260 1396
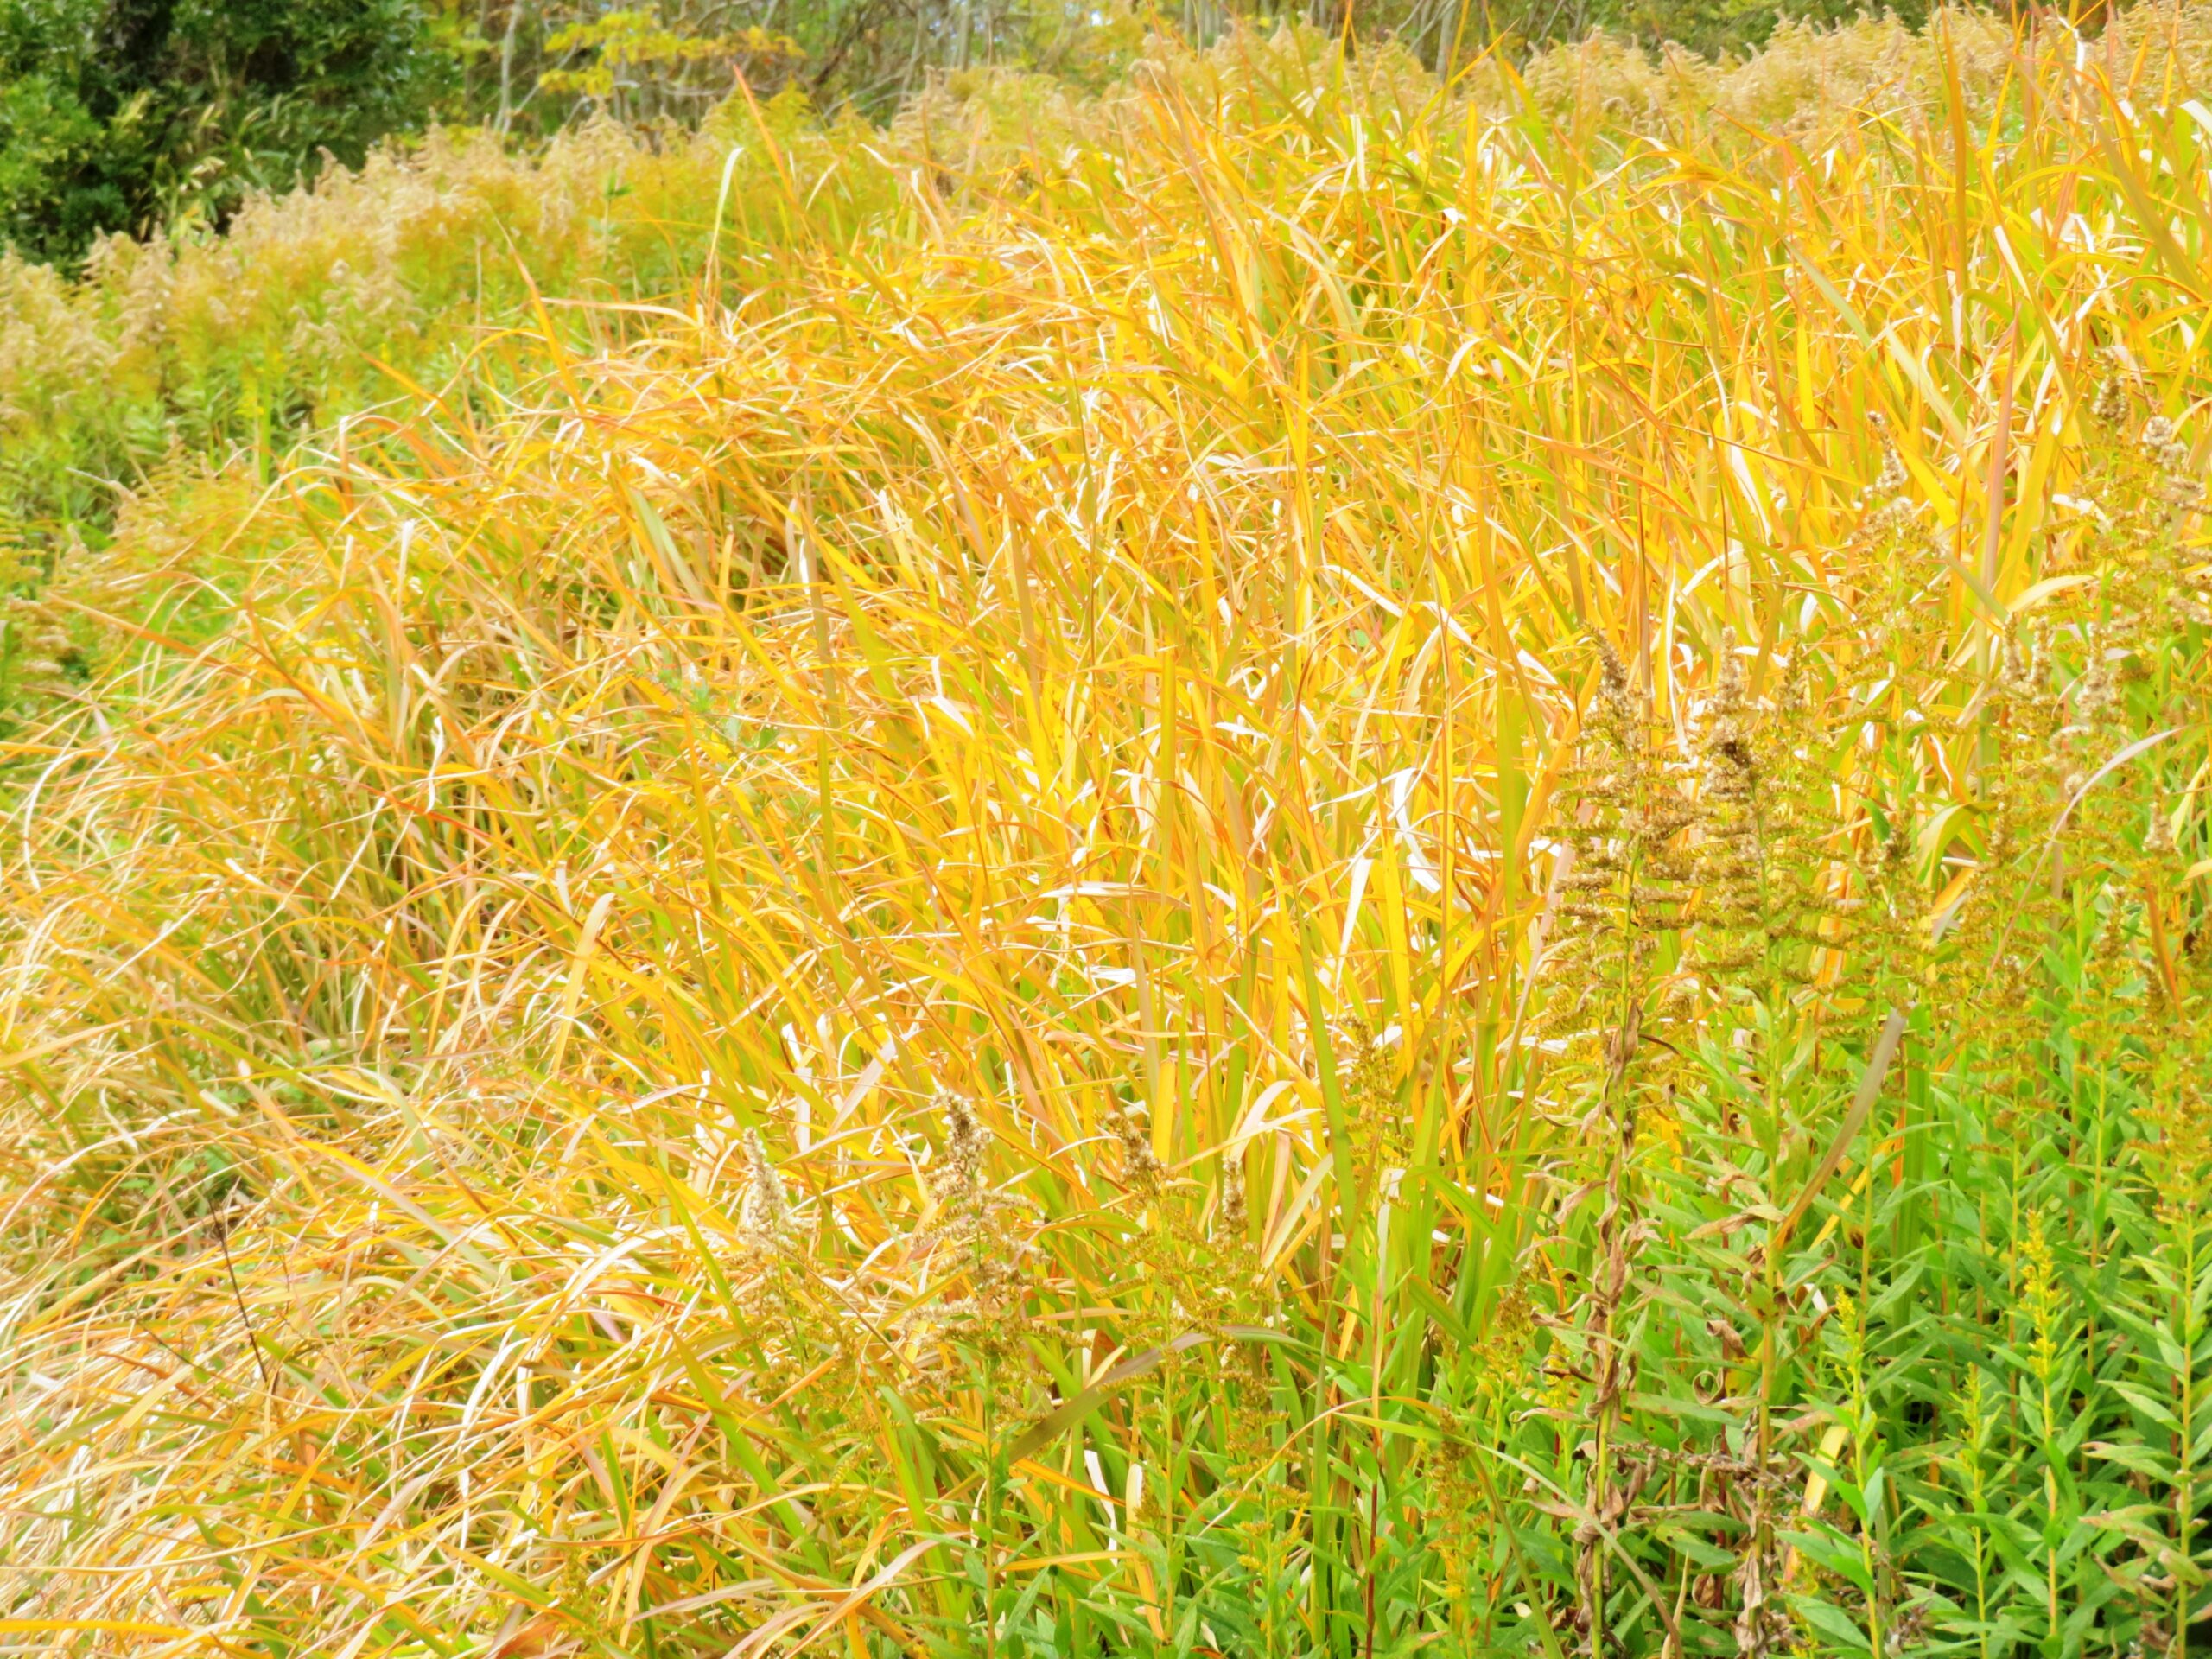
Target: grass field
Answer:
pixel 1293 864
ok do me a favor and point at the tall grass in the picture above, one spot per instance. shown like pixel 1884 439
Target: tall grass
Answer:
pixel 1330 867
pixel 344 296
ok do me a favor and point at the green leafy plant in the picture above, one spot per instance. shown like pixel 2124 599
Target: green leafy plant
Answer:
pixel 124 116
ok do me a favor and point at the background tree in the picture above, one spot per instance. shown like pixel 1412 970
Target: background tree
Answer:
pixel 118 114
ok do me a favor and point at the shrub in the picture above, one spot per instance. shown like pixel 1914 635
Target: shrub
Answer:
pixel 130 115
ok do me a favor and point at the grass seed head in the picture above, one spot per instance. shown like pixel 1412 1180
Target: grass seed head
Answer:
pixel 956 1181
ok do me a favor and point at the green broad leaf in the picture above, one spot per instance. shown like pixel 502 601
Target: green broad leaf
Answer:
pixel 1686 1543
pixel 2075 1537
pixel 2148 1404
pixel 1660 1405
pixel 2084 1615
pixel 2071 1432
pixel 2136 1460
pixel 2018 1547
pixel 1839 1554
pixel 1876 1486
pixel 1832 1622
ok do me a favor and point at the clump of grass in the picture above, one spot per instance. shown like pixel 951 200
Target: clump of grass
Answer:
pixel 354 293
pixel 1268 886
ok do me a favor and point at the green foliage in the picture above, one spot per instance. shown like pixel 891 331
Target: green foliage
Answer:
pixel 125 115
pixel 1915 1341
